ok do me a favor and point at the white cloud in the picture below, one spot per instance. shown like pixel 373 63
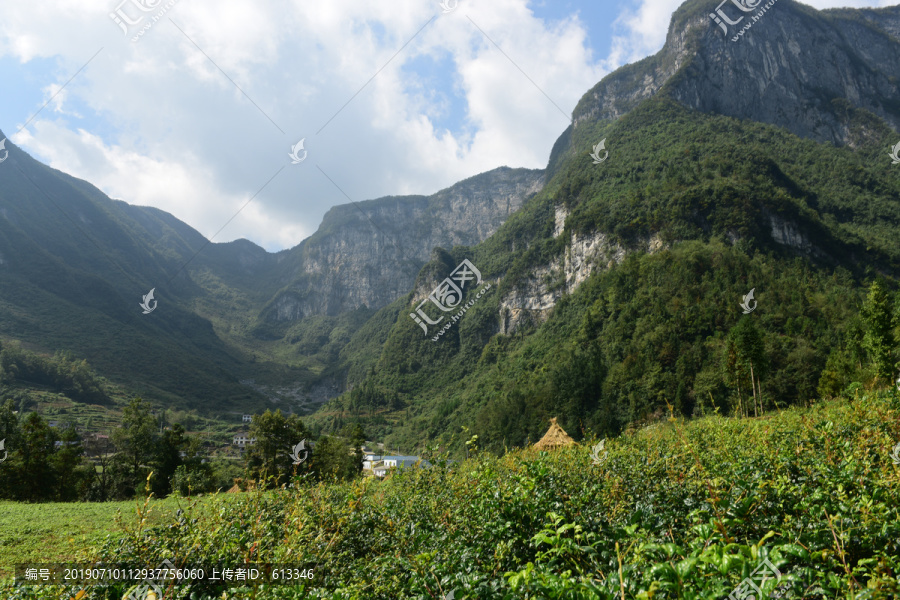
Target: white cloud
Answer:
pixel 164 127
pixel 156 122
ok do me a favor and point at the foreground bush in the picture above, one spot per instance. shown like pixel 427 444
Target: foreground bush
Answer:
pixel 677 510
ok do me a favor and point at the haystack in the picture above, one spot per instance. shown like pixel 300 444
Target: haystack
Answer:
pixel 555 437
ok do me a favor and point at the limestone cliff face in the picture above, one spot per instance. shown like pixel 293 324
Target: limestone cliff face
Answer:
pixel 369 254
pixel 531 301
pixel 795 67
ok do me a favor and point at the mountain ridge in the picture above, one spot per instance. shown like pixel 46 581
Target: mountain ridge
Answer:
pixel 617 287
pixel 88 259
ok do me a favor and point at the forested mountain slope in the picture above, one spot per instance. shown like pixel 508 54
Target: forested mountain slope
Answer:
pixel 618 288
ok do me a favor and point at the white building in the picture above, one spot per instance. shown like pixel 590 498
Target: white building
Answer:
pixel 243 440
pixel 247 418
pixel 385 464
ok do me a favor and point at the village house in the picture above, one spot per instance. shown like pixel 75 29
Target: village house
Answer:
pixel 385 464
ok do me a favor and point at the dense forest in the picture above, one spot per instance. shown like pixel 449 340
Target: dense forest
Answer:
pixel 655 327
pixel 60 372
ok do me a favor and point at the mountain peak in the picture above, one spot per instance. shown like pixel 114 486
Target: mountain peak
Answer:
pixel 818 74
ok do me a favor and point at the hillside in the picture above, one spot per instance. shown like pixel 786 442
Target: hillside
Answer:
pixel 736 162
pixel 75 264
pixel 675 510
pixel 617 288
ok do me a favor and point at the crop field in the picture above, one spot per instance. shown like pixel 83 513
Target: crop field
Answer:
pixel 677 509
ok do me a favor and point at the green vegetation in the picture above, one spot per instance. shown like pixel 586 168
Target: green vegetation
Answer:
pixel 46 463
pixel 661 326
pixel 677 509
pixel 73 378
pixel 42 463
pixel 63 531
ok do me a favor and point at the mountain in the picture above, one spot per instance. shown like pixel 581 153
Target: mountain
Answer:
pixel 750 155
pixel 368 254
pixel 753 159
pixel 75 265
pixel 804 70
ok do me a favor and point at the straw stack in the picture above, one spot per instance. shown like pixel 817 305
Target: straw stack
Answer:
pixel 555 437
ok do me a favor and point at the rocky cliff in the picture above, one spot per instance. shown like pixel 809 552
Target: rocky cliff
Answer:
pixel 780 62
pixel 830 76
pixel 369 253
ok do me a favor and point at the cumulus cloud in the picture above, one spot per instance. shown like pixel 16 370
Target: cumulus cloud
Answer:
pixel 202 110
pixel 200 113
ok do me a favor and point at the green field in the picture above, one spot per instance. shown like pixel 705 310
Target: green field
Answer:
pixel 676 509
pixel 65 531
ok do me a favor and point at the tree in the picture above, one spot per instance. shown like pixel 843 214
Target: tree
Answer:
pixel 276 436
pixel 9 433
pixel 879 335
pixel 357 438
pixel 72 478
pixel 35 477
pixel 135 441
pixel 168 458
pixel 333 459
pixel 99 451
pixel 193 479
pixel 746 358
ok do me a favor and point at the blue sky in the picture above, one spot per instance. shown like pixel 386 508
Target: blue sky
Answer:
pixel 198 114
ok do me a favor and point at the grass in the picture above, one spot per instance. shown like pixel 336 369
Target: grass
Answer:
pixel 64 531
